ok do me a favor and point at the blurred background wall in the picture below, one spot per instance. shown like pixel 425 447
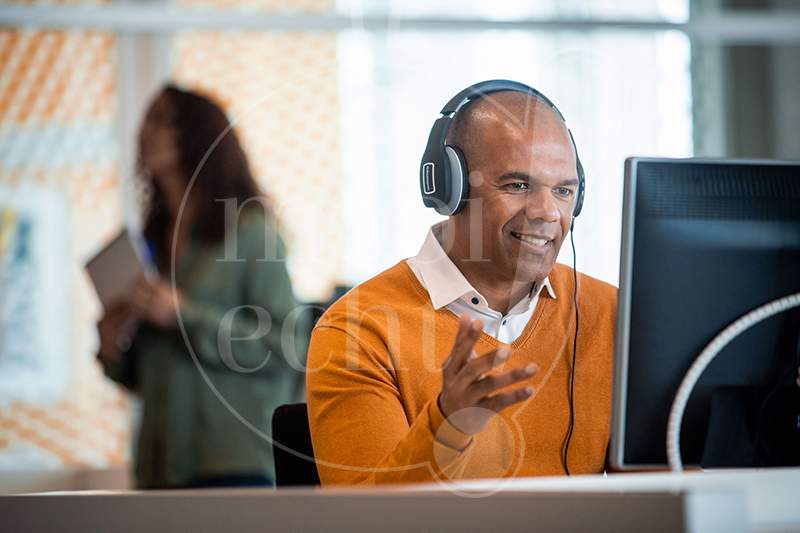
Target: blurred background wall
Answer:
pixel 333 101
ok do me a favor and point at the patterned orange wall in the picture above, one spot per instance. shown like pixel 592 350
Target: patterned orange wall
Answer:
pixel 282 90
pixel 58 129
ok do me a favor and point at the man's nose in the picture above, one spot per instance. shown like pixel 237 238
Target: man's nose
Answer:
pixel 541 206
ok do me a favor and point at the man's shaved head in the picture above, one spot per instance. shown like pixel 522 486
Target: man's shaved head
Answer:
pixel 513 109
pixel 522 192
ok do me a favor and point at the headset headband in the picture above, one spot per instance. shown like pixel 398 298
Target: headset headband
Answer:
pixel 493 86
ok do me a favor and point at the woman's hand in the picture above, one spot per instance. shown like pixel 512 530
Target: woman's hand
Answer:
pixel 154 302
pixel 114 334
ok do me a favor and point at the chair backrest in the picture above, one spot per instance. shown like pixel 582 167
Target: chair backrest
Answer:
pixel 290 430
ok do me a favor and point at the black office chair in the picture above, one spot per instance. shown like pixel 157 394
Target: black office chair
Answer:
pixel 290 429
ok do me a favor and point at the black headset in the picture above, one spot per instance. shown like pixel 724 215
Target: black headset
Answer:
pixel 443 175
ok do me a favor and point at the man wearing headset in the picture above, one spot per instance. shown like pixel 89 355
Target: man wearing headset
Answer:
pixel 465 361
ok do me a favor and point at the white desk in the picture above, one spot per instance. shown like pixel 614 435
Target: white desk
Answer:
pixel 770 497
pixel 695 502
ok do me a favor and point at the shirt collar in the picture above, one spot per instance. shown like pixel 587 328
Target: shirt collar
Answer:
pixel 444 281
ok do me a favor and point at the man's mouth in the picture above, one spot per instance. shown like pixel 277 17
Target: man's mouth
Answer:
pixel 531 239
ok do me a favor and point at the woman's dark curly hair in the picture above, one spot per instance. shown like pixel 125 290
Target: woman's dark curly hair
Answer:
pixel 225 172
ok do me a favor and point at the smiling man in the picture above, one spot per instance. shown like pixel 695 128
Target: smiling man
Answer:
pixel 458 363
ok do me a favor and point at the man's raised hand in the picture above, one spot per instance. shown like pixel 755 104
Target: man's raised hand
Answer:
pixel 467 383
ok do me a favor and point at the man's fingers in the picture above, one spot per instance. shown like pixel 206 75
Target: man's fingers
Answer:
pixel 464 322
pixel 501 380
pixel 498 402
pixel 467 336
pixel 481 365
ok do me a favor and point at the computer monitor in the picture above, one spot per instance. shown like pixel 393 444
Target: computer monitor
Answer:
pixel 703 243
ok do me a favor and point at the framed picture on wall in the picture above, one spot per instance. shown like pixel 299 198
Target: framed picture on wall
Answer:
pixel 34 290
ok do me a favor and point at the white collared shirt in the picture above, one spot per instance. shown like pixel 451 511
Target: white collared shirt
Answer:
pixel 449 288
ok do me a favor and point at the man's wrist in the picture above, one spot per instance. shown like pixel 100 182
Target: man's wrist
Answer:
pixel 439 405
pixel 446 433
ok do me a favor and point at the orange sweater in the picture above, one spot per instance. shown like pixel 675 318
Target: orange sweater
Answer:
pixel 374 378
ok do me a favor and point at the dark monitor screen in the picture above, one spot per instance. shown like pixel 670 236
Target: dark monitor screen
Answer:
pixel 705 242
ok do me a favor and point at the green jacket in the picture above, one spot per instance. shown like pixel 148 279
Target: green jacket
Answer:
pixel 206 414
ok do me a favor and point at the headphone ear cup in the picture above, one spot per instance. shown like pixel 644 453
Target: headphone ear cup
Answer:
pixel 459 180
pixel 581 179
pixel 581 188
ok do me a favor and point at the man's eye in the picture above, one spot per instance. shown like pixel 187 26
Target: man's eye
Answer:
pixel 518 186
pixel 563 191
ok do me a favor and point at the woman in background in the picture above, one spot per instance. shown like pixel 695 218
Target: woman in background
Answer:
pixel 211 377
